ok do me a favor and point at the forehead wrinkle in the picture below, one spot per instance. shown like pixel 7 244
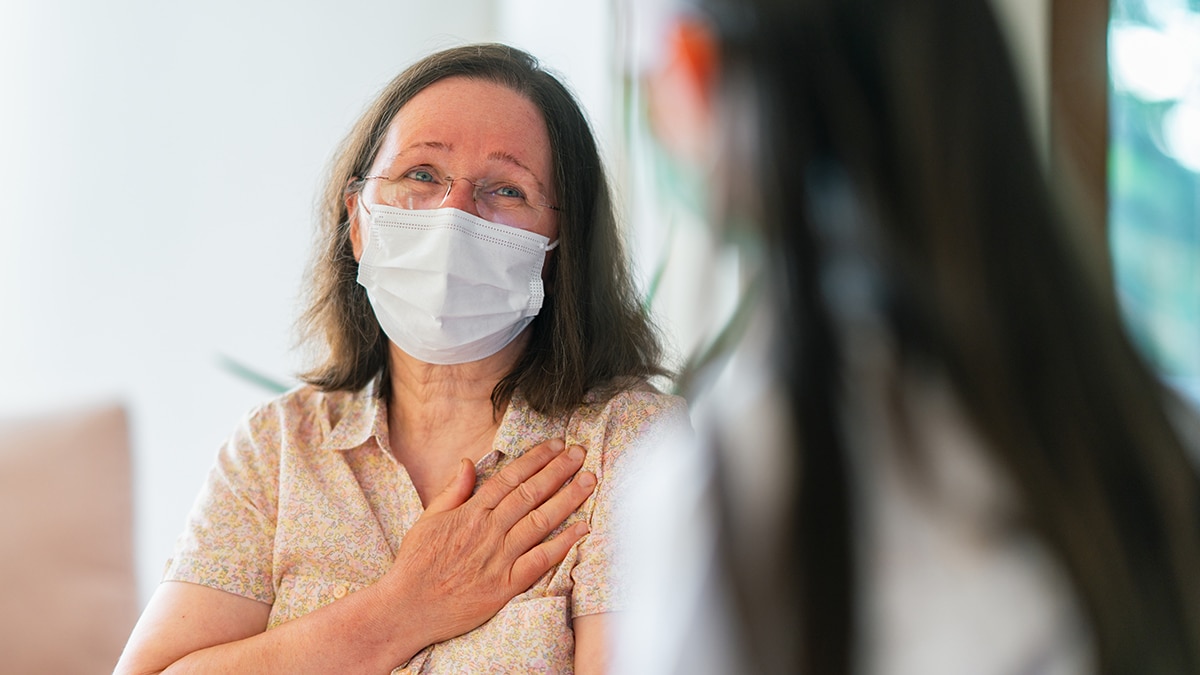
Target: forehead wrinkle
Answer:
pixel 432 145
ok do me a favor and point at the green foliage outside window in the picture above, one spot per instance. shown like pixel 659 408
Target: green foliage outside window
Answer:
pixel 1154 177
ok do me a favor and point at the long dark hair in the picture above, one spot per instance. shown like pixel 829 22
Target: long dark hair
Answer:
pixel 591 333
pixel 916 104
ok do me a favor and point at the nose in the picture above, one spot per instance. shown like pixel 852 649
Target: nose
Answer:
pixel 462 198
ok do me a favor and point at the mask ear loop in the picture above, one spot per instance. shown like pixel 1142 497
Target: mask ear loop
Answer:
pixel 551 246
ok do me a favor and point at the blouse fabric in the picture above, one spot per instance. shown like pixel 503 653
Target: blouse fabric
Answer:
pixel 306 504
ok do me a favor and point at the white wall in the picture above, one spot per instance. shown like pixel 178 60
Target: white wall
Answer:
pixel 159 162
pixel 575 39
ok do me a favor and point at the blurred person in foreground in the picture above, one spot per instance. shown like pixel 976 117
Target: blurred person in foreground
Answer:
pixel 400 511
pixel 935 449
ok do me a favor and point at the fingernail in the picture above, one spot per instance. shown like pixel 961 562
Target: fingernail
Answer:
pixel 556 444
pixel 587 479
pixel 575 453
pixel 581 528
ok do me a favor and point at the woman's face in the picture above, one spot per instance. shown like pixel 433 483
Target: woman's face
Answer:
pixel 467 128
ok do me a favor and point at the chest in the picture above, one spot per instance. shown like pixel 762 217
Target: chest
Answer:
pixel 430 469
pixel 341 519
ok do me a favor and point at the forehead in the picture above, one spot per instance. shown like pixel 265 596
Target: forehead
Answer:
pixel 472 123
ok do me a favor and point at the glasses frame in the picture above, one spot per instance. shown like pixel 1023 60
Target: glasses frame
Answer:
pixel 475 188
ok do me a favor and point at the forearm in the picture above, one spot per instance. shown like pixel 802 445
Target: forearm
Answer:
pixel 372 630
pixel 356 634
pixel 593 647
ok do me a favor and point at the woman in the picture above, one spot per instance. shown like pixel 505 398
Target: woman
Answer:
pixel 471 294
pixel 974 471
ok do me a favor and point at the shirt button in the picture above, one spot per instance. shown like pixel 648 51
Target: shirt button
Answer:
pixel 339 592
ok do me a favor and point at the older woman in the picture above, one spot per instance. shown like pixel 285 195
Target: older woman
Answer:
pixel 471 295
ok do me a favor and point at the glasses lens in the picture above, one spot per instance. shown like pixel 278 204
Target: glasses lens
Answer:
pixel 507 205
pixel 409 193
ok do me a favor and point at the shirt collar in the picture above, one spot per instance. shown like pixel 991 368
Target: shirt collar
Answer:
pixel 522 427
pixel 363 417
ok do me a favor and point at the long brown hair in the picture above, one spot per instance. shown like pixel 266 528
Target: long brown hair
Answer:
pixel 916 104
pixel 591 332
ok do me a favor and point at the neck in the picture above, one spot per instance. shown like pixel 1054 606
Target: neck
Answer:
pixel 438 414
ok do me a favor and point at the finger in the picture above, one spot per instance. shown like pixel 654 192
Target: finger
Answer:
pixel 539 522
pixel 531 493
pixel 456 491
pixel 507 479
pixel 537 561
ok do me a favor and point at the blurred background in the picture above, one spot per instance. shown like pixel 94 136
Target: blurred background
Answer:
pixel 159 163
pixel 1154 171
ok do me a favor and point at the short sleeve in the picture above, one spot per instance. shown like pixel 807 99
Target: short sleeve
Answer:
pixel 635 422
pixel 227 543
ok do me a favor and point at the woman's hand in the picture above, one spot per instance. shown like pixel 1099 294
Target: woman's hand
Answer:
pixel 460 563
pixel 467 556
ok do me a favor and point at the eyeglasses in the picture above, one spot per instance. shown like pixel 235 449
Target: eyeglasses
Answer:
pixel 504 202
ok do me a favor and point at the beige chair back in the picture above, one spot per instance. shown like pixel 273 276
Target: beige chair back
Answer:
pixel 68 596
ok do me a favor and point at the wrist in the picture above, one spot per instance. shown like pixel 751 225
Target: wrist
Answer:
pixel 397 620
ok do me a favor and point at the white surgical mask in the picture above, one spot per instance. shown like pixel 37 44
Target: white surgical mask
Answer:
pixel 449 287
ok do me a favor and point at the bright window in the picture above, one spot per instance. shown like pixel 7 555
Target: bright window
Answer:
pixel 1154 175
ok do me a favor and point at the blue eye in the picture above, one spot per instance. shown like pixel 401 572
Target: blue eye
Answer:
pixel 508 192
pixel 421 175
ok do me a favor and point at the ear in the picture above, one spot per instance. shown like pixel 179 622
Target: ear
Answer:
pixel 683 88
pixel 350 198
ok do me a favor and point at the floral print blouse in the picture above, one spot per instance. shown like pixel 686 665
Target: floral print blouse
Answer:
pixel 306 504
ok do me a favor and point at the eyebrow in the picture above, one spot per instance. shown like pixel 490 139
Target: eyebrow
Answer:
pixel 434 145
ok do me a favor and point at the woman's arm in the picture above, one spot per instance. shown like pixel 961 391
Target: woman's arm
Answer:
pixel 191 628
pixel 459 564
pixel 593 647
pixel 634 422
